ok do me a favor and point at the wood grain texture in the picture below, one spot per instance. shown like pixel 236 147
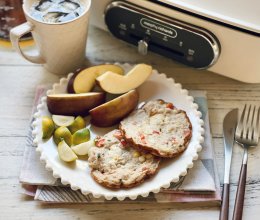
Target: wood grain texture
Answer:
pixel 19 79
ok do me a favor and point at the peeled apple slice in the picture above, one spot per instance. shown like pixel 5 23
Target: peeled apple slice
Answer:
pixel 83 148
pixel 62 120
pixel 118 84
pixel 66 153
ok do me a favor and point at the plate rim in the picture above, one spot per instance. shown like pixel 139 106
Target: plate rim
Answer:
pixel 65 181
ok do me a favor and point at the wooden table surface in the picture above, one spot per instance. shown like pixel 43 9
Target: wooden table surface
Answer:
pixel 19 79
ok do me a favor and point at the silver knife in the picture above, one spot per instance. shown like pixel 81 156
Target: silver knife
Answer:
pixel 229 128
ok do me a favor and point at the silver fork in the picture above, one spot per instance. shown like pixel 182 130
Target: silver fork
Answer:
pixel 247 135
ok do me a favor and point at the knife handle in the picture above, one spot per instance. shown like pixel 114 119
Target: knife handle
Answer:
pixel 239 203
pixel 225 202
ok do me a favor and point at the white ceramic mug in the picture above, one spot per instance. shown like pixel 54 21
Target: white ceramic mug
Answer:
pixel 61 46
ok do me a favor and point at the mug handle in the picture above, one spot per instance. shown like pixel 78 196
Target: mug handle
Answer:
pixel 16 33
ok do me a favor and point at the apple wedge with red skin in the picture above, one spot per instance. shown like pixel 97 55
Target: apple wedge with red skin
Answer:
pixel 74 104
pixel 83 80
pixel 70 88
pixel 112 112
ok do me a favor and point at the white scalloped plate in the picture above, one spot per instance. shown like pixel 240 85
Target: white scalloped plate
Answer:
pixel 78 176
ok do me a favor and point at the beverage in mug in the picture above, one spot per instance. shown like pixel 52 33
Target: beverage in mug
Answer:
pixel 59 29
pixel 56 11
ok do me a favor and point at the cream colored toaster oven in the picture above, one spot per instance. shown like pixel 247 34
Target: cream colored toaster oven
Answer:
pixel 223 37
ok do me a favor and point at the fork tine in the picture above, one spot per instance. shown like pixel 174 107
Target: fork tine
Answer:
pixel 256 126
pixel 239 129
pixel 250 123
pixel 247 123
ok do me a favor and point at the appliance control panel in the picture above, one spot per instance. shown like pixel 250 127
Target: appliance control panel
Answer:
pixel 150 31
